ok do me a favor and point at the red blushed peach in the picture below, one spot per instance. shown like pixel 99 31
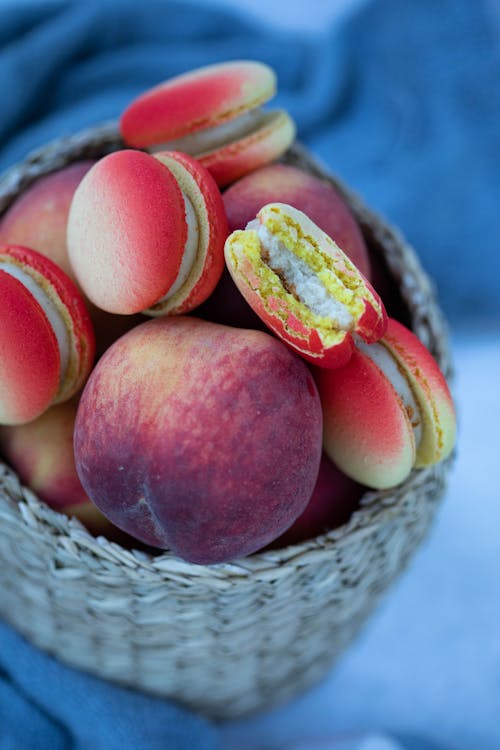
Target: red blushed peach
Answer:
pixel 39 217
pixel 41 453
pixel 334 499
pixel 280 183
pixel 199 438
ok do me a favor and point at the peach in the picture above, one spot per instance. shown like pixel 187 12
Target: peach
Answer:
pixel 39 217
pixel 41 452
pixel 200 438
pixel 318 199
pixel 334 499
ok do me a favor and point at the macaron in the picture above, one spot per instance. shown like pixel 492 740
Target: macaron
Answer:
pixel 387 411
pixel 214 114
pixel 146 234
pixel 303 286
pixel 46 338
pixel 316 198
pixel 203 260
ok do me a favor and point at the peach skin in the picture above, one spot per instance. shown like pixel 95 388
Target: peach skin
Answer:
pixel 303 286
pixel 214 114
pixel 46 337
pixel 199 438
pixel 387 410
pixel 41 453
pixel 146 234
pixel 314 197
pixel 39 217
pixel 334 499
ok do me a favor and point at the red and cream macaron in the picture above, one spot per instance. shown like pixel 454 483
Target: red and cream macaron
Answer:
pixel 46 337
pixel 214 114
pixel 303 286
pixel 147 234
pixel 389 409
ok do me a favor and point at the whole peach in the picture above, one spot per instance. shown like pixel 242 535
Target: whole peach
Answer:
pixel 39 217
pixel 334 499
pixel 200 438
pixel 41 452
pixel 281 183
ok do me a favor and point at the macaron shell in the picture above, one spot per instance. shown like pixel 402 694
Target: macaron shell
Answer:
pixel 127 231
pixel 29 355
pixel 261 147
pixel 430 389
pixel 367 433
pixel 315 197
pixel 202 98
pixel 202 191
pixel 69 303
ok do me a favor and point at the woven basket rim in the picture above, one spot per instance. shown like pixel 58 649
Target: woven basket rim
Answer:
pixel 375 506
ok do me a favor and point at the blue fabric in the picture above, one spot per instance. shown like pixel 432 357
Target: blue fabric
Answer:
pixel 47 706
pixel 401 99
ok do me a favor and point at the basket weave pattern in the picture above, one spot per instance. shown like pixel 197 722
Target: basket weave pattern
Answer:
pixel 227 639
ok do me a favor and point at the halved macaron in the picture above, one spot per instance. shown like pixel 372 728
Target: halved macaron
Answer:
pixel 214 114
pixel 303 286
pixel 388 410
pixel 46 338
pixel 140 233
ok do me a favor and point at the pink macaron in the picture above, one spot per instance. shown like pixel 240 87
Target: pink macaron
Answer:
pixel 214 114
pixel 146 234
pixel 46 336
pixel 388 410
pixel 303 286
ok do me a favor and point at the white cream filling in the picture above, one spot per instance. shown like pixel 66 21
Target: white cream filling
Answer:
pixel 54 316
pixel 190 250
pixel 309 289
pixel 210 139
pixel 386 362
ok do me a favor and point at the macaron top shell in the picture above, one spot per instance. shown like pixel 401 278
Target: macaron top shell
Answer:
pixel 197 100
pixel 201 278
pixel 127 232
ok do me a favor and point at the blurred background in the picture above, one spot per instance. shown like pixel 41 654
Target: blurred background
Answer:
pixel 401 98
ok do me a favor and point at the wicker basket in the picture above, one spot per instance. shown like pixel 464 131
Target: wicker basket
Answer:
pixel 228 639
